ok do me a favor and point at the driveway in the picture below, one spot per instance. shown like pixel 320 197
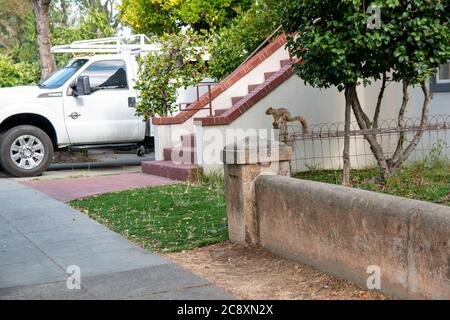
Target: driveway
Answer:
pixel 41 237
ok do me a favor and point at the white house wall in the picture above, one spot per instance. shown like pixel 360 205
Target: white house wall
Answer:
pixel 256 76
pixel 169 135
pixel 318 106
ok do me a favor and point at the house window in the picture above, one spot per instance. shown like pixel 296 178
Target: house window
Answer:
pixel 441 82
pixel 443 75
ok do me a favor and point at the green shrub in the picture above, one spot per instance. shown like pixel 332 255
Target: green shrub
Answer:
pixel 212 179
pixel 179 63
pixel 232 45
pixel 16 74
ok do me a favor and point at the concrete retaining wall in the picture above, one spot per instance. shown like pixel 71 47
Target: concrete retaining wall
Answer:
pixel 342 231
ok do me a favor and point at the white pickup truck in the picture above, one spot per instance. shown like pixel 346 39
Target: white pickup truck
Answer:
pixel 87 104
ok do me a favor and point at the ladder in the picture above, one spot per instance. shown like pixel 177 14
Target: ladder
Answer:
pixel 134 44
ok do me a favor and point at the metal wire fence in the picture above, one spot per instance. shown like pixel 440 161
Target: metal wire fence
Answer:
pixel 322 146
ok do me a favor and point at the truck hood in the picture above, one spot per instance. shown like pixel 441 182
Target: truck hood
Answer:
pixel 23 93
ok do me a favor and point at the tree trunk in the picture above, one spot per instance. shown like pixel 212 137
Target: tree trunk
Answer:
pixel 365 125
pixel 401 125
pixel 376 115
pixel 397 162
pixel 346 154
pixel 47 60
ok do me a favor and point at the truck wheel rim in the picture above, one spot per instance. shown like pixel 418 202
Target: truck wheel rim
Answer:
pixel 27 152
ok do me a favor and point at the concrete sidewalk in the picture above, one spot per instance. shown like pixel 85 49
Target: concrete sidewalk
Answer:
pixel 40 237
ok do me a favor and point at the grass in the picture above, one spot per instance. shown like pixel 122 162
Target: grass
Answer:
pixel 213 178
pixel 427 180
pixel 185 216
pixel 163 219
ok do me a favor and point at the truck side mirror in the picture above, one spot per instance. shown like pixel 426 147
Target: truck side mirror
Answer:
pixel 83 87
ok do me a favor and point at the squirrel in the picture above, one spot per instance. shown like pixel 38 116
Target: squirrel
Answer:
pixel 282 115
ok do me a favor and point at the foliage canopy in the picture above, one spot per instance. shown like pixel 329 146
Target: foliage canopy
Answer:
pixel 179 63
pixel 338 49
pixel 231 45
pixel 163 16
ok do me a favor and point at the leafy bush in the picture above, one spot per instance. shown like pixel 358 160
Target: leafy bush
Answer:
pixel 16 74
pixel 232 45
pixel 179 63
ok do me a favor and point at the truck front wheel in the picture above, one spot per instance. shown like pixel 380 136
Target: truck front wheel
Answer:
pixel 25 151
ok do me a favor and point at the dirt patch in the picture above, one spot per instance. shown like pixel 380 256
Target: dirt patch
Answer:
pixel 73 156
pixel 254 273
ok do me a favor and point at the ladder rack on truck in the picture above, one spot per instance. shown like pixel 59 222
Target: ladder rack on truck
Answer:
pixel 133 44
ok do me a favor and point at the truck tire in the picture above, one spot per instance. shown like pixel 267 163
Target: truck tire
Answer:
pixel 1 168
pixel 25 151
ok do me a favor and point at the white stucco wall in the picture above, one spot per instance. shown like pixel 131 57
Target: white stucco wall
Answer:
pixel 256 76
pixel 169 135
pixel 317 106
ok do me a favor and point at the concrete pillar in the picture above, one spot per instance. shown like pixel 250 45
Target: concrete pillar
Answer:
pixel 244 161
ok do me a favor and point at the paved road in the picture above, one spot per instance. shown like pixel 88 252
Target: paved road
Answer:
pixel 40 237
pixel 105 163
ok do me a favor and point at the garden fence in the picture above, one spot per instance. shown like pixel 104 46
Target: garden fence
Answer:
pixel 322 146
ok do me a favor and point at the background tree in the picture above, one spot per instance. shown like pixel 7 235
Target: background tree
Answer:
pixel 95 24
pixel 69 20
pixel 61 11
pixel 232 44
pixel 178 64
pixel 105 8
pixel 12 15
pixel 163 16
pixel 47 60
pixel 337 49
pixel 16 74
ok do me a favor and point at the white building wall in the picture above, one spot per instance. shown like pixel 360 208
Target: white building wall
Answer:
pixel 256 76
pixel 169 135
pixel 317 106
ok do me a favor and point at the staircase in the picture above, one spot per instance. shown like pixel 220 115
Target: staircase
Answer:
pixel 218 112
pixel 179 162
pixel 234 95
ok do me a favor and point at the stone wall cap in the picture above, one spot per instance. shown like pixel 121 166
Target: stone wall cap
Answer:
pixel 253 150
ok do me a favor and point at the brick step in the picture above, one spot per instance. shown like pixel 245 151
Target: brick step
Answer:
pixel 188 140
pixel 185 155
pixel 252 87
pixel 267 75
pixel 219 112
pixel 168 169
pixel 285 62
pixel 235 100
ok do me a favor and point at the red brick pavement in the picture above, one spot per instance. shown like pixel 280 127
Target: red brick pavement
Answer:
pixel 71 189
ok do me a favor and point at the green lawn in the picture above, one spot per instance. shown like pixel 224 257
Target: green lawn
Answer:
pixel 425 180
pixel 164 219
pixel 184 216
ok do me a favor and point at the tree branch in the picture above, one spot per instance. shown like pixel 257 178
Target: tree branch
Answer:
pixel 379 101
pixel 361 112
pixel 423 122
pixel 370 137
pixel 401 124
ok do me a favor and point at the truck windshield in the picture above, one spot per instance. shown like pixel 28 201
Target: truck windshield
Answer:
pixel 60 77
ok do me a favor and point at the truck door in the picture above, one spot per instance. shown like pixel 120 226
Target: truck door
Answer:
pixel 104 116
